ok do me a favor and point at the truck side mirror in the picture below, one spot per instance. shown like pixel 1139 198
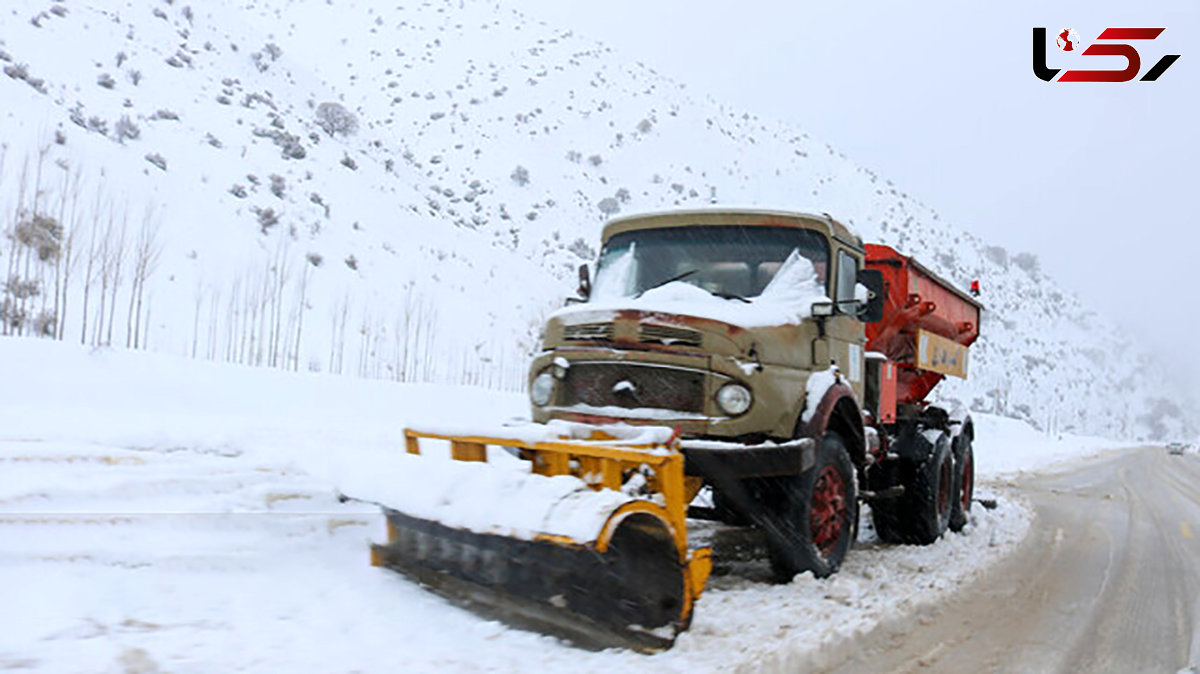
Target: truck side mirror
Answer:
pixel 585 282
pixel 872 311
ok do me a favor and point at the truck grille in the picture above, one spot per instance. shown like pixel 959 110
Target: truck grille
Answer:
pixel 648 333
pixel 668 336
pixel 629 386
pixel 588 332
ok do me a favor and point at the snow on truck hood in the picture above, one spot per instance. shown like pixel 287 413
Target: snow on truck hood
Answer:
pixel 787 299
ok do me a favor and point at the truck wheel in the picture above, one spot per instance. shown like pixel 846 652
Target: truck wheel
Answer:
pixel 814 522
pixel 932 495
pixel 922 514
pixel 964 484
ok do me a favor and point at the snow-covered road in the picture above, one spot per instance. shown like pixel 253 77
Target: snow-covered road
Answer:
pixel 159 514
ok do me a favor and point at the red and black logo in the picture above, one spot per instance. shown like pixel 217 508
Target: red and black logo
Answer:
pixel 1067 40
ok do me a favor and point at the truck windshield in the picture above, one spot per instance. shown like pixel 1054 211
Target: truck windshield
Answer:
pixel 726 260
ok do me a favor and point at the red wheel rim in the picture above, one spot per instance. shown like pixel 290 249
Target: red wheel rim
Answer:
pixel 827 519
pixel 943 495
pixel 968 481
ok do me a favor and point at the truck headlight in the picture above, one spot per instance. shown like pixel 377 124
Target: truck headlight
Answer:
pixel 734 398
pixel 541 389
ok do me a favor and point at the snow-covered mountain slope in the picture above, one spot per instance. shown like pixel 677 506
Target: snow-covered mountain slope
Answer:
pixel 406 190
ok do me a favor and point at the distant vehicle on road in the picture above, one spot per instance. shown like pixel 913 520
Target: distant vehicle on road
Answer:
pixel 1176 448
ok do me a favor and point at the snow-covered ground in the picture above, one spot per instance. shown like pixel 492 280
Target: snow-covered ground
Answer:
pixel 165 514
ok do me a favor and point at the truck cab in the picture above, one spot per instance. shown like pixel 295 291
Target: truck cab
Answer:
pixel 712 322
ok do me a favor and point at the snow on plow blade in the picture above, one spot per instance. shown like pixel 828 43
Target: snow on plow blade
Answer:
pixel 585 538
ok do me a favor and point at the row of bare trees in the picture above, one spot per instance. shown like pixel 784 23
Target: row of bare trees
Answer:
pixel 79 266
pixel 258 319
pixel 61 248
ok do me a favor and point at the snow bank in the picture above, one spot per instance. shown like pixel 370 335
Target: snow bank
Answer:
pixel 1004 446
pixel 324 425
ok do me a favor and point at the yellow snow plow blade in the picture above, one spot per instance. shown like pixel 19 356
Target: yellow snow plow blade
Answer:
pixel 608 564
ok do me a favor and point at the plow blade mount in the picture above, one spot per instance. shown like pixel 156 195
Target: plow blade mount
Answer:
pixel 584 539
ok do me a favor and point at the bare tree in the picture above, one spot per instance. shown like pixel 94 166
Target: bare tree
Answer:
pixel 300 305
pixel 68 261
pixel 146 257
pixel 281 270
pixel 104 256
pixel 198 299
pixel 118 257
pixel 88 278
pixel 9 310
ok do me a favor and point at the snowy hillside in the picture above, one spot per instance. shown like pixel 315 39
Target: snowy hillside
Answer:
pixel 405 191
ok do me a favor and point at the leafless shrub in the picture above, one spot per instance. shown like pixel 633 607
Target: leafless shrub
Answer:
pixel 352 262
pixel 157 160
pixel 17 71
pixel 520 176
pixel 40 233
pixel 269 54
pixel 267 218
pixel 349 162
pixel 334 119
pixel 44 324
pixel 125 130
pixel 135 77
pixel 105 80
pixel 238 191
pixel 255 97
pixel 21 290
pixel 288 143
pixel 582 249
pixel 278 185
pixel 169 115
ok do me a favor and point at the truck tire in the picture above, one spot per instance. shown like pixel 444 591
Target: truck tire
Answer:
pixel 814 522
pixel 922 514
pixel 964 483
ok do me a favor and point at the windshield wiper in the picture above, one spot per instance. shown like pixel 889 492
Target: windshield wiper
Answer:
pixel 677 277
pixel 731 296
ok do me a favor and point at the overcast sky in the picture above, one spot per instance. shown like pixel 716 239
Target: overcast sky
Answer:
pixel 1098 179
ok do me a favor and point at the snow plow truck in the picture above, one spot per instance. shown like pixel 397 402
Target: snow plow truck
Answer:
pixel 768 361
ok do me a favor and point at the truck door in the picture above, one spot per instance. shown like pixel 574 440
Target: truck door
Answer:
pixel 846 334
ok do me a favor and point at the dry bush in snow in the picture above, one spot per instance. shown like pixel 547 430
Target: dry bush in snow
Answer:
pixel 336 120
